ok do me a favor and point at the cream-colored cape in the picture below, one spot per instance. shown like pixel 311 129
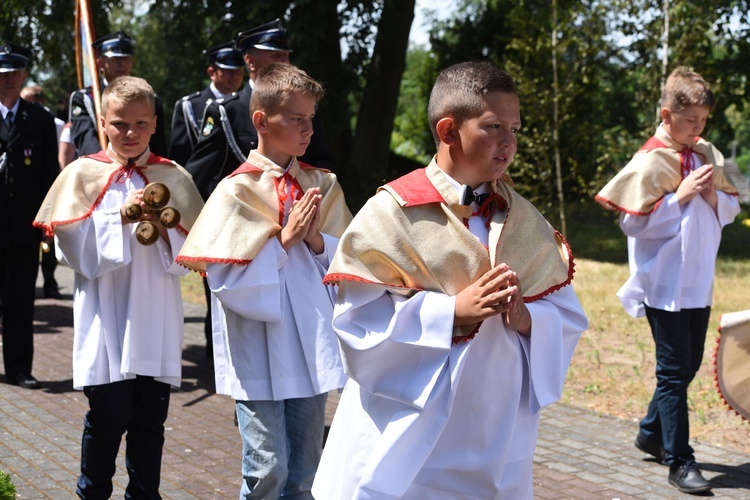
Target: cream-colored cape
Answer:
pixel 732 361
pixel 81 185
pixel 654 171
pixel 413 235
pixel 245 210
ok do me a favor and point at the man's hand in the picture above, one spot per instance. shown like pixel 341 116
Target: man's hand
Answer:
pixel 301 216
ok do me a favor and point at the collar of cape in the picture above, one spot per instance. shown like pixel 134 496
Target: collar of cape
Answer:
pixel 412 236
pixel 250 205
pixel 657 170
pixel 80 187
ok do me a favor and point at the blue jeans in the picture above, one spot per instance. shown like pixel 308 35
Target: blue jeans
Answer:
pixel 680 338
pixel 139 407
pixel 282 442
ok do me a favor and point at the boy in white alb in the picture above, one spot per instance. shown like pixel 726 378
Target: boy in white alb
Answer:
pixel 127 305
pixel 455 318
pixel 673 199
pixel 264 241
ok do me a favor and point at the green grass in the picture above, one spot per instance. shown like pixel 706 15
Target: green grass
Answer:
pixel 7 489
pixel 612 370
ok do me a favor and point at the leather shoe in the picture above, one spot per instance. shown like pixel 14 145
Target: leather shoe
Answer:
pixel 687 478
pixel 24 380
pixel 651 448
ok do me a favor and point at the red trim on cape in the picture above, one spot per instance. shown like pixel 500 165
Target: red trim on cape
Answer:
pixel 608 205
pixel 571 272
pixel 152 159
pixel 181 259
pixel 335 278
pixel 416 189
pixel 50 230
pixel 246 168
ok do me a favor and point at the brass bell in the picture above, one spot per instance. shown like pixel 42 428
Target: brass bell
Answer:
pixel 169 217
pixel 156 195
pixel 146 233
pixel 133 212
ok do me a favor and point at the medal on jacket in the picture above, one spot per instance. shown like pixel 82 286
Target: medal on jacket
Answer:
pixel 209 126
pixel 27 157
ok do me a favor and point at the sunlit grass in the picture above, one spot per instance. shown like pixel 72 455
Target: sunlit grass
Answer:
pixel 613 367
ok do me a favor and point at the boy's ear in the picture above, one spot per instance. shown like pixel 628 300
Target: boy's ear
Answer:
pixel 666 115
pixel 447 131
pixel 259 121
pixel 101 122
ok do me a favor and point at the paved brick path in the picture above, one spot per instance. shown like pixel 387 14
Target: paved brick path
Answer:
pixel 580 454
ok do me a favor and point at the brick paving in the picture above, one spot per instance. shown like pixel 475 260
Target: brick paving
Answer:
pixel 580 454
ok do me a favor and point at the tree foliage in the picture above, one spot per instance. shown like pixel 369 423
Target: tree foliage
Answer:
pixel 608 52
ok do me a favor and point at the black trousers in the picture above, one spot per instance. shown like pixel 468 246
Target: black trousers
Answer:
pixel 139 407
pixel 18 269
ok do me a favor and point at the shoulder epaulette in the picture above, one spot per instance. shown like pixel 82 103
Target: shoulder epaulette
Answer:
pixel 190 96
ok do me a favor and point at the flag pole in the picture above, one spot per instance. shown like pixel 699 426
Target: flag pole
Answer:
pixel 86 60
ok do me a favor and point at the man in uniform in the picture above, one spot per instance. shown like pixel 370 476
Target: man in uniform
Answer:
pixel 225 67
pixel 228 134
pixel 35 93
pixel 114 58
pixel 28 166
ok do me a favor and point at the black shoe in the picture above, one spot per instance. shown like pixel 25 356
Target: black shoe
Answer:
pixel 651 448
pixel 51 292
pixel 687 478
pixel 24 380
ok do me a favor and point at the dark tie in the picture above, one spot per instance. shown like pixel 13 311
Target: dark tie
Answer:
pixel 470 196
pixel 5 126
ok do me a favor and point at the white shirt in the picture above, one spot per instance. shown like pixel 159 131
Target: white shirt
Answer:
pixel 127 307
pixel 672 253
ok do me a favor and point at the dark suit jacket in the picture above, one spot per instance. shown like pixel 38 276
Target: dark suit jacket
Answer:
pixel 213 158
pixel 186 124
pixel 30 170
pixel 83 129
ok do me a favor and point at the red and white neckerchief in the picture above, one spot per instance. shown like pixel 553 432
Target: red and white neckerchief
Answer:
pixel 687 161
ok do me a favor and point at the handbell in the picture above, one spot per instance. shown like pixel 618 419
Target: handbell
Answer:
pixel 133 212
pixel 169 217
pixel 156 195
pixel 146 233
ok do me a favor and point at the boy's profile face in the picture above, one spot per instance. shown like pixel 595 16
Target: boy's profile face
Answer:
pixel 487 143
pixel 129 126
pixel 286 132
pixel 684 125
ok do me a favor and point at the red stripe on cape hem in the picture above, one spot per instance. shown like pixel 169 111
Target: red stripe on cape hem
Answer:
pixel 50 229
pixel 611 206
pixel 571 272
pixel 213 260
pixel 336 278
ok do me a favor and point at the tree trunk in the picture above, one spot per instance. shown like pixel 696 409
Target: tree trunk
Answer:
pixel 368 161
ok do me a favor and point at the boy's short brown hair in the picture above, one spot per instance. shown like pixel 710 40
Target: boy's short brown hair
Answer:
pixel 685 88
pixel 276 82
pixel 128 89
pixel 459 91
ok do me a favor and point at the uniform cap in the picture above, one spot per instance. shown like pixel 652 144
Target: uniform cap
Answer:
pixel 225 56
pixel 117 44
pixel 13 57
pixel 268 36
